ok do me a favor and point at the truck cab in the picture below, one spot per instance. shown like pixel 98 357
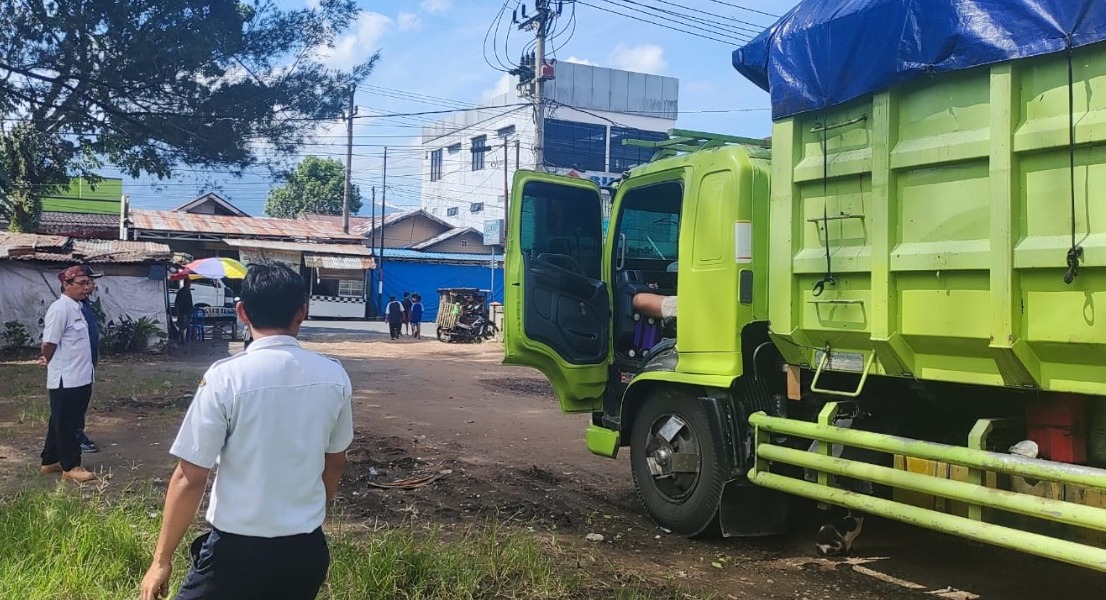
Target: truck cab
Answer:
pixel 670 389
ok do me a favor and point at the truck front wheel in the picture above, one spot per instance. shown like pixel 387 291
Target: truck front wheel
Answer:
pixel 675 463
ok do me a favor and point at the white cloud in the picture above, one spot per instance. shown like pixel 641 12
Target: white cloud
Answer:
pixel 408 21
pixel 504 84
pixel 352 49
pixel 435 6
pixel 581 61
pixel 643 58
pixel 313 4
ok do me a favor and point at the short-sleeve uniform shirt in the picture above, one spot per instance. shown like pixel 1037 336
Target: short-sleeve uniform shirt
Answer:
pixel 65 326
pixel 267 416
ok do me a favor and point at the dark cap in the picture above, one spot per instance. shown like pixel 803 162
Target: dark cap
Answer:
pixel 76 271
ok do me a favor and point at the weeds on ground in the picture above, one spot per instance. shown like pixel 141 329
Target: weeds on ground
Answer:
pixel 78 545
pixel 87 545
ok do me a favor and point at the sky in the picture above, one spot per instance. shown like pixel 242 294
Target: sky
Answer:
pixel 438 55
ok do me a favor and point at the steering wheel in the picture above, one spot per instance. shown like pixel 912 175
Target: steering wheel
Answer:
pixel 562 261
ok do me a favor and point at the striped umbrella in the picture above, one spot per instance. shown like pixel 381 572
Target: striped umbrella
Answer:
pixel 218 267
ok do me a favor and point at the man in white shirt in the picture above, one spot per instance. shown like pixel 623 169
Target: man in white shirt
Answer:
pixel 67 355
pixel 277 419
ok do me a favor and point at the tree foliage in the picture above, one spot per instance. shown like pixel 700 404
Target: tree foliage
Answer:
pixel 316 186
pixel 32 165
pixel 152 85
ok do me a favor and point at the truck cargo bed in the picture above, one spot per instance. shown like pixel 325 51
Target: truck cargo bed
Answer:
pixel 945 207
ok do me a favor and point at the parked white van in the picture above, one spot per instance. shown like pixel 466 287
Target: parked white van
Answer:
pixel 205 293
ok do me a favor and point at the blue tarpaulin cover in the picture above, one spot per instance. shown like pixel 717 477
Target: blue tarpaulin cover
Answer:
pixel 824 53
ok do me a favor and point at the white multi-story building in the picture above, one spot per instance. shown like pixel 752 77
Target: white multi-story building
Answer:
pixel 470 157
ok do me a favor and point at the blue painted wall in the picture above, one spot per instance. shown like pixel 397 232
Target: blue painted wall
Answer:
pixel 426 278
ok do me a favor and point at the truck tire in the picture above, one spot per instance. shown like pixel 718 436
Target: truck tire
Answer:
pixel 675 461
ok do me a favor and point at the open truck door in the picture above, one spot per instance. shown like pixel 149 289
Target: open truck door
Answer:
pixel 557 303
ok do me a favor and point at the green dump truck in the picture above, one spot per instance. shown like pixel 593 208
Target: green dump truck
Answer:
pixel 904 322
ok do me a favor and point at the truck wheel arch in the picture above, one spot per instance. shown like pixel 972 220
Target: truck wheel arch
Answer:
pixel 644 384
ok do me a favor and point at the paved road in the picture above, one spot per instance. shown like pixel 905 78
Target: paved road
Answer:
pixel 317 326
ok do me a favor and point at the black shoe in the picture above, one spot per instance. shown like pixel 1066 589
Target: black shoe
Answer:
pixel 89 446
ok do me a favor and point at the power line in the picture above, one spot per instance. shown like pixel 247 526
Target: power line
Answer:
pixel 661 25
pixel 746 8
pixel 741 31
pixel 425 112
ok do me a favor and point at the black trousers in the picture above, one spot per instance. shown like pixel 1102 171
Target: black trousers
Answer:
pixel 67 412
pixel 227 566
pixel 395 329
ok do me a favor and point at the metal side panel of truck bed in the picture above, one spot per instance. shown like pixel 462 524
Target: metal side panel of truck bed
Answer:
pixel 925 231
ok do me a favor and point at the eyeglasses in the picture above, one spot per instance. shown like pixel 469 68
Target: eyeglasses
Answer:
pixel 83 282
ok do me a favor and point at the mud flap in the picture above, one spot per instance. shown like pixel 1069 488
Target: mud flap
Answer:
pixel 749 510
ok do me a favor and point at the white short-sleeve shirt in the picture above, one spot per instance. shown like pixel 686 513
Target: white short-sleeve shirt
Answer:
pixel 267 416
pixel 64 326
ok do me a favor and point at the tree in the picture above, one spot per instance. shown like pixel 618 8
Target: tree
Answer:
pixel 30 168
pixel 316 186
pixel 154 85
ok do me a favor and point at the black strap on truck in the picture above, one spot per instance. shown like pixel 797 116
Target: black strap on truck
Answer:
pixel 827 279
pixel 1075 253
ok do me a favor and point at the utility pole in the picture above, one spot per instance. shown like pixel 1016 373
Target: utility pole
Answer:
pixel 383 206
pixel 372 223
pixel 533 72
pixel 349 160
pixel 372 246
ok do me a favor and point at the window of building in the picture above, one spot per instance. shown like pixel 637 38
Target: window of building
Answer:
pixel 436 165
pixel 572 145
pixel 505 131
pixel 454 148
pixel 479 151
pixel 624 158
pixel 476 207
pixel 451 211
pixel 351 288
pixel 464 243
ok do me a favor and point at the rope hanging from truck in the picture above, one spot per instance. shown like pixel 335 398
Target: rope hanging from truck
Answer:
pixel 820 285
pixel 1075 253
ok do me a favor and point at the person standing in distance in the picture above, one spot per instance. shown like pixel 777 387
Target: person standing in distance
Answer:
pixel 67 356
pixel 393 313
pixel 87 445
pixel 416 316
pixel 183 307
pixel 277 419
pixel 406 302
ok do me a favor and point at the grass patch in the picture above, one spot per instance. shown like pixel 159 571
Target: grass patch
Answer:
pixel 36 413
pixel 74 545
pixel 86 545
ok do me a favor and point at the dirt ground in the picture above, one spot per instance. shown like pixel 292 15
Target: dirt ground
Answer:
pixel 499 447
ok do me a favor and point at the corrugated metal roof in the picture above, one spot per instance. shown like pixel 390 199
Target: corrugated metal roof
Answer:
pixel 355 222
pixel 457 257
pixel 344 263
pixel 21 244
pixel 243 227
pixel 343 249
pixel 118 251
pixel 51 248
pixel 452 233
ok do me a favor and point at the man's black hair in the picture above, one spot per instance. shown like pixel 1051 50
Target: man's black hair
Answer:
pixel 391 298
pixel 405 294
pixel 272 293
